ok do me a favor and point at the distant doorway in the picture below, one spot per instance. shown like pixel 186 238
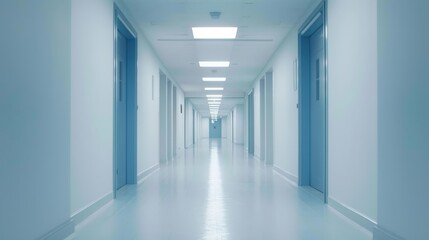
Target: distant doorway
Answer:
pixel 125 118
pixel 312 103
pixel 215 128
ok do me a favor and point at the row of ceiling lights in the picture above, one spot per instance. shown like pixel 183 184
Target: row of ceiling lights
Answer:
pixel 214 101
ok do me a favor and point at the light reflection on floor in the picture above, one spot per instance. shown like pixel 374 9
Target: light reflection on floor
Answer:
pixel 215 226
pixel 216 191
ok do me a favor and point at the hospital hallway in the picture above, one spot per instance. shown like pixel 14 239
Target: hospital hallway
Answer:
pixel 214 119
pixel 216 190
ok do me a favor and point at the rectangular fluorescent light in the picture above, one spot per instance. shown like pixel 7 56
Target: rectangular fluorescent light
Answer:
pixel 214 99
pixel 214 104
pixel 214 63
pixel 214 96
pixel 214 79
pixel 214 32
pixel 213 88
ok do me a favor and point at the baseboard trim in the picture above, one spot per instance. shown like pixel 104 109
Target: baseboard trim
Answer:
pixel 288 176
pixel 143 175
pixel 352 214
pixel 61 232
pixel 91 208
pixel 380 233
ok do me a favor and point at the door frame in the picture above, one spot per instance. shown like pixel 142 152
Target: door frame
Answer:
pixel 121 22
pixel 313 22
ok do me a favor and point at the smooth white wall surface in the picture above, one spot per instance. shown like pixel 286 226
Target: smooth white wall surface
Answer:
pixel 204 127
pixel 269 130
pixel 35 118
pixel 149 66
pixel 403 118
pixel 189 123
pixel 257 120
pixel 198 127
pixel 91 102
pixel 239 124
pixel 245 124
pixel 229 126
pixel 285 111
pixel 285 99
pixel 224 127
pixel 352 105
pixel 180 121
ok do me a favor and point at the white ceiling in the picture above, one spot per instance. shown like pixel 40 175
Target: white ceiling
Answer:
pixel 262 25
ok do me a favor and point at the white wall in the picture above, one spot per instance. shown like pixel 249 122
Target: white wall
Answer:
pixel 245 124
pixel 352 106
pixel 285 112
pixel 403 118
pixel 91 102
pixel 229 126
pixel 35 118
pixel 239 124
pixel 257 120
pixel 204 124
pixel 189 123
pixel 197 126
pixel 148 117
pixel 224 127
pixel 180 121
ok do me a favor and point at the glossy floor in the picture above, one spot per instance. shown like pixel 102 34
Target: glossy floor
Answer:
pixel 217 191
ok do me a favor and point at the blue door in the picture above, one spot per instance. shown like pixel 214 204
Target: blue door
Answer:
pixel 317 111
pixel 121 118
pixel 215 128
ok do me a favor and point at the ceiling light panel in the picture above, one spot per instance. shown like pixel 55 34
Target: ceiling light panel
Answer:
pixel 213 88
pixel 214 95
pixel 214 79
pixel 214 32
pixel 214 63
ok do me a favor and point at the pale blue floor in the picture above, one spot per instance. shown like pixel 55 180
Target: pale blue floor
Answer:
pixel 217 191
